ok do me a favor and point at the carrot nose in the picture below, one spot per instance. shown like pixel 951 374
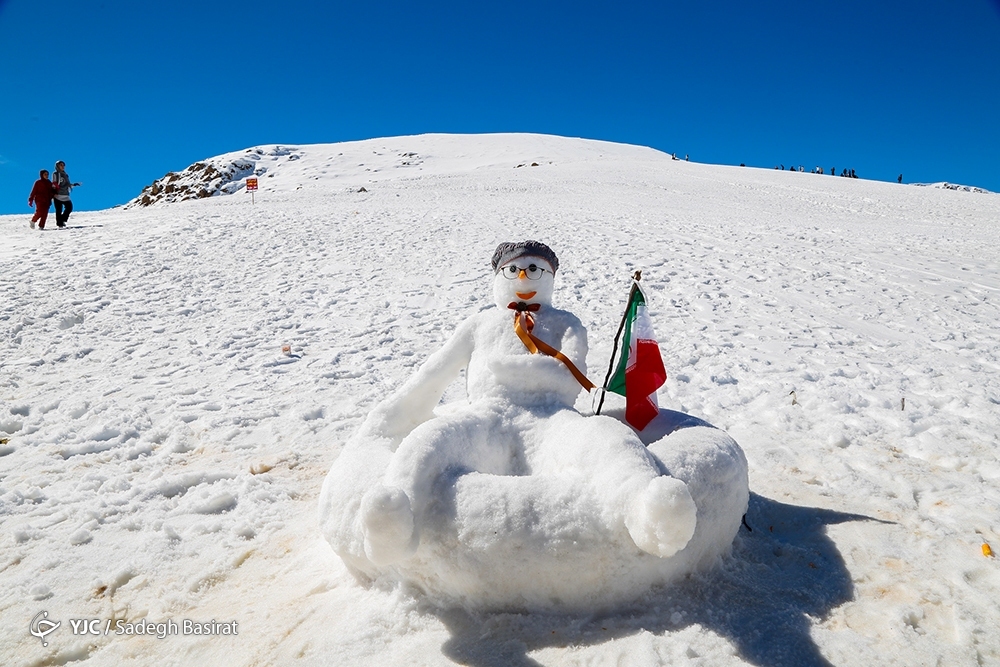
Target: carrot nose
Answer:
pixel 522 274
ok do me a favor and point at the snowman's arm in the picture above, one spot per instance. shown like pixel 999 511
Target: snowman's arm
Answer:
pixel 414 402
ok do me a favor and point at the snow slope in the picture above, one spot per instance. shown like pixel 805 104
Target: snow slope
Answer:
pixel 163 456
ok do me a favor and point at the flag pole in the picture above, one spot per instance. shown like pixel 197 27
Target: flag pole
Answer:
pixel 611 366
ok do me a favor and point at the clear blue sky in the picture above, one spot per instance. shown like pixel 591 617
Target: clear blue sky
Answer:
pixel 127 91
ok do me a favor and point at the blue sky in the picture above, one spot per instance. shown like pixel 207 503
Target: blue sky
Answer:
pixel 127 91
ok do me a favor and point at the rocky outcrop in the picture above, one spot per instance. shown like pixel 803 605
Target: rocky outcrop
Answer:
pixel 221 175
pixel 954 186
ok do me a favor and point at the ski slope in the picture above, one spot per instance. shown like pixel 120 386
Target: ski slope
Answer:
pixel 164 455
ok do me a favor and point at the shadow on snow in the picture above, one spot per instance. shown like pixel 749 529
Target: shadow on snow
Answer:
pixel 782 573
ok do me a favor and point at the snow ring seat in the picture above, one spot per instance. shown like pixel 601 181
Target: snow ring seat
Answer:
pixel 542 541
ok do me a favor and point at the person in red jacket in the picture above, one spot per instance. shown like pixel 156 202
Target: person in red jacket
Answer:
pixel 41 198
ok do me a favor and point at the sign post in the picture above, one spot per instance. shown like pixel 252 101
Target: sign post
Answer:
pixel 251 187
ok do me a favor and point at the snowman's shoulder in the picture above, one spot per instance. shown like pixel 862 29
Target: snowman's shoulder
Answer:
pixel 562 317
pixel 473 319
pixel 488 315
pixel 488 319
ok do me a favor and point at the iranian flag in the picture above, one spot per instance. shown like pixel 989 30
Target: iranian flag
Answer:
pixel 640 369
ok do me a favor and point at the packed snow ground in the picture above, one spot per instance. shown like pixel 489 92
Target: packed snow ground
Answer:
pixel 164 455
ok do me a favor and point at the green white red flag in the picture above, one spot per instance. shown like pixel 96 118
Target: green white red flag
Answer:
pixel 640 371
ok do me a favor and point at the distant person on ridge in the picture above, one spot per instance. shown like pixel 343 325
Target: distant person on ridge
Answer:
pixel 63 186
pixel 900 179
pixel 41 199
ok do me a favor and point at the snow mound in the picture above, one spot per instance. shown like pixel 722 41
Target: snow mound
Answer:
pixel 543 542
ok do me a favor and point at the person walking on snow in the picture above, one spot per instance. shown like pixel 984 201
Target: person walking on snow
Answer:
pixel 63 186
pixel 41 199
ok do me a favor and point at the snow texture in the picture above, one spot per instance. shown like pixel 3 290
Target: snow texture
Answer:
pixel 162 456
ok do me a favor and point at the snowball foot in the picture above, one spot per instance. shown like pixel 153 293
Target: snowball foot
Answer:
pixel 662 518
pixel 387 523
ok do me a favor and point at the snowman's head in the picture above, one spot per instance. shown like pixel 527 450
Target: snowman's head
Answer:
pixel 524 272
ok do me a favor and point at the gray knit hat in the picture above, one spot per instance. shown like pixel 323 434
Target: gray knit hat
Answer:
pixel 506 252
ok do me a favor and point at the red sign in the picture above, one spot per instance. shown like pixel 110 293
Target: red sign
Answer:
pixel 251 184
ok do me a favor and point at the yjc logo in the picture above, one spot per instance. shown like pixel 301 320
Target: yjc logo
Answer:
pixel 41 626
pixel 82 626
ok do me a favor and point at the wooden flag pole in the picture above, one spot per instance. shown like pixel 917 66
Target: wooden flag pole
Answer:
pixel 611 366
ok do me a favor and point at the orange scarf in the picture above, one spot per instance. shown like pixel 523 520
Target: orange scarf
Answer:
pixel 524 322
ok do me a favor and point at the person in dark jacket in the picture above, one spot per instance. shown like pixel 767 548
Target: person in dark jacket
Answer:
pixel 63 186
pixel 41 199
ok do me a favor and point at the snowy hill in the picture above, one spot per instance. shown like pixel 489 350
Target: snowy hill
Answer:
pixel 353 164
pixel 162 456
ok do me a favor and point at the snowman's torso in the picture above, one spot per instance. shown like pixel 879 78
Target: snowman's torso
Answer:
pixel 501 367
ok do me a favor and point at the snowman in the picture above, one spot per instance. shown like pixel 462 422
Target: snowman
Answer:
pixel 525 366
